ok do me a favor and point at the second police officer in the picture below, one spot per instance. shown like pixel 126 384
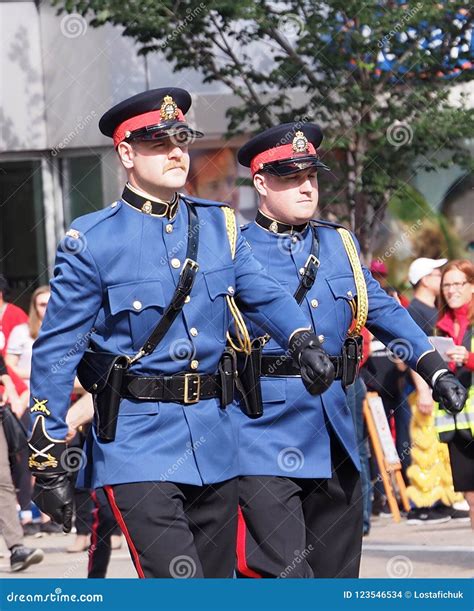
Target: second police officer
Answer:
pixel 300 493
pixel 147 285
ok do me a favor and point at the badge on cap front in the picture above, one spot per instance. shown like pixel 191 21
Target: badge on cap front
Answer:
pixel 300 143
pixel 169 109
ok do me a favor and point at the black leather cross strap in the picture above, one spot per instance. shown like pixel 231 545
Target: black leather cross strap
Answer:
pixel 183 288
pixel 184 388
pixel 310 269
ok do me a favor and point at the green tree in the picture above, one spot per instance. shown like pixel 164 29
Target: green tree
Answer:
pixel 321 61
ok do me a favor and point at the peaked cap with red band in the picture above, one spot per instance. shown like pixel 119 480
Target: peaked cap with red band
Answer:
pixel 283 149
pixel 150 115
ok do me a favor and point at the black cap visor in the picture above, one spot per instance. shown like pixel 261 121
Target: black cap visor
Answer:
pixel 181 132
pixel 285 167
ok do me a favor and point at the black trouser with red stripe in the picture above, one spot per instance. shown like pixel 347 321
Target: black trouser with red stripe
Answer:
pixel 301 527
pixel 178 530
pixel 103 526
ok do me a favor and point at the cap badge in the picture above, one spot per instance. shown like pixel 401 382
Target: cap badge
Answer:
pixel 169 109
pixel 273 227
pixel 300 143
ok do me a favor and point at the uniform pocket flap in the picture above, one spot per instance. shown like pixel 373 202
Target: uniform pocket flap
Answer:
pixel 130 407
pixel 135 296
pixel 342 286
pixel 220 281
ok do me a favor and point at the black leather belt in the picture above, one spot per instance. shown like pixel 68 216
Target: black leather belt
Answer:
pixel 184 388
pixel 284 366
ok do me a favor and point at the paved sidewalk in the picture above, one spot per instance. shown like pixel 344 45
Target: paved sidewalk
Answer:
pixel 391 550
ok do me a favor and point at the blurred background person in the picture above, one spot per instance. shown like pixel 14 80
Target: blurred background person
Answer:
pixel 456 321
pixel 431 490
pixel 21 557
pixel 213 175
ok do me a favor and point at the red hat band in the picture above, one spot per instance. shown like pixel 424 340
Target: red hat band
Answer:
pixel 277 153
pixel 154 117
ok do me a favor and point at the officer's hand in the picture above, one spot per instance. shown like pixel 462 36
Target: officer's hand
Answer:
pixel 317 371
pixel 450 393
pixel 54 495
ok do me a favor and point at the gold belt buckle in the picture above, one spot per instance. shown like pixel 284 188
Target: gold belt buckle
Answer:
pixel 192 388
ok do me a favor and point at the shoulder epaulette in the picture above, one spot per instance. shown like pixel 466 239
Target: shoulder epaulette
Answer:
pixel 85 223
pixel 321 223
pixel 202 202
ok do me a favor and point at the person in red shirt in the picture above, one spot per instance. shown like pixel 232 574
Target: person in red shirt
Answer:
pixel 10 316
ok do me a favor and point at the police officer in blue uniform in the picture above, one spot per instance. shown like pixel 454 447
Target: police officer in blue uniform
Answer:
pixel 300 494
pixel 141 301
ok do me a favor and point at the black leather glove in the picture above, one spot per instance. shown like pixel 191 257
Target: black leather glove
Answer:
pixel 317 371
pixel 54 495
pixel 50 464
pixel 449 393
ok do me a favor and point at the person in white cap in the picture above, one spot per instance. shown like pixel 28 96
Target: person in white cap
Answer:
pixel 425 277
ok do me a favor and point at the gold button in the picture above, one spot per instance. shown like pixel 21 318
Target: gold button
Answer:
pixel 187 299
pixel 114 204
pixel 349 293
pixel 193 331
pixel 230 290
pixel 175 263
pixel 169 228
pixel 137 305
pixel 294 239
pixel 194 364
pixel 301 271
pixel 321 338
pixel 314 303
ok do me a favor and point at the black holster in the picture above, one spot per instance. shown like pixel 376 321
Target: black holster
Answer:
pixel 248 382
pixel 351 355
pixel 227 371
pixel 101 374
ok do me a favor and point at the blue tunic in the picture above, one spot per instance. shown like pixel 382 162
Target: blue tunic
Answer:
pixel 115 273
pixel 292 438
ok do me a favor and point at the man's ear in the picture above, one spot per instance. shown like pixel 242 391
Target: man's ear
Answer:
pixel 126 154
pixel 259 182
